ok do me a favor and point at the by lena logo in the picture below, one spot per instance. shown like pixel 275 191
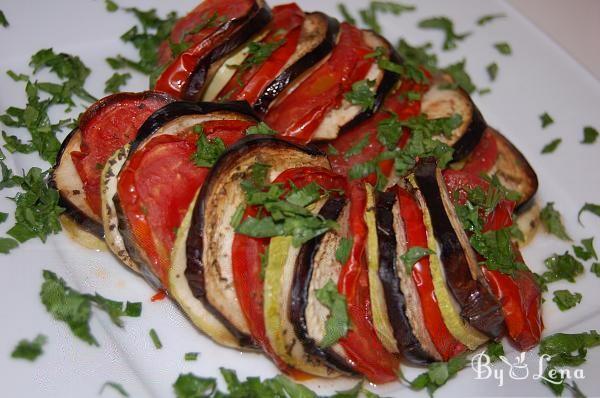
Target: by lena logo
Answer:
pixel 519 370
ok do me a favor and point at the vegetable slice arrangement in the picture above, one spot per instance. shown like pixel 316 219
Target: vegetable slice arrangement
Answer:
pixel 299 187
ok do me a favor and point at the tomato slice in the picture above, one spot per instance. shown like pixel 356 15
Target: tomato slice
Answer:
pixel 519 293
pixel 159 182
pixel 361 344
pixel 249 85
pixel 106 127
pixel 174 77
pixel 301 111
pixel 247 253
pixel 483 157
pixel 416 236
pixel 395 103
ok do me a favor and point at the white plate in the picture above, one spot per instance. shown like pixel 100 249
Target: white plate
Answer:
pixel 538 77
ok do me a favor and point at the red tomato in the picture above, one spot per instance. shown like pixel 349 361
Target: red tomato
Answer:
pixel 519 294
pixel 361 344
pixel 301 111
pixel 246 260
pixel 416 236
pixel 110 126
pixel 249 85
pixel 483 157
pixel 175 76
pixel 146 185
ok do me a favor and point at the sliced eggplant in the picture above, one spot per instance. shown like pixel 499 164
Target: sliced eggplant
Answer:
pixel 180 290
pixel 514 171
pixel 347 115
pixel 317 39
pixel 316 264
pixel 443 100
pixel 241 30
pixel 478 306
pixel 403 304
pixel 83 222
pixel 208 266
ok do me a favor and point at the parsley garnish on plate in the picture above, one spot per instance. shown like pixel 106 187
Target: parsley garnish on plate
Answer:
pixel 346 14
pixel 546 120
pixel 552 222
pixel 115 386
pixel 30 350
pixel 492 70
pixel 447 26
pixel 438 374
pixel 494 351
pixel 3 20
pixel 114 83
pixel 566 300
pixel 258 53
pixel 75 309
pixel 586 251
pixel 362 94
pixel 207 150
pixel 111 6
pixel 562 267
pixel 460 76
pixel 261 128
pixel 551 146
pixel 590 135
pixel 485 19
pixel 155 339
pixel 191 356
pixel 503 48
pixel 338 322
pixel 369 14
pixel 588 207
pixel 595 268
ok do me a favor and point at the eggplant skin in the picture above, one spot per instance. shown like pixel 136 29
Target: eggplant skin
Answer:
pixel 299 67
pixel 303 273
pixel 408 344
pixel 259 16
pixel 471 137
pixel 177 109
pixel 194 271
pixel 478 305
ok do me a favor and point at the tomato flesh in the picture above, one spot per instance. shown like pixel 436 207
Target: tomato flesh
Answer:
pixel 246 260
pixel 158 183
pixel 300 113
pixel 174 77
pixel 112 127
pixel 361 344
pixel 416 236
pixel 249 85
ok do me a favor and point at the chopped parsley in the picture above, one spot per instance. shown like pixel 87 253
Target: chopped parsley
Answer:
pixel 413 255
pixel 191 356
pixel 3 20
pixel 492 70
pixel 552 222
pixel 409 69
pixel 497 249
pixel 437 374
pixel 111 6
pixel 460 76
pixel 155 339
pixel 503 48
pixel 358 147
pixel 418 55
pixel 338 322
pixel 447 26
pixel 258 52
pixel 485 19
pixel 346 14
pixel 494 351
pixel 590 135
pixel 565 300
pixel 115 386
pixel 595 268
pixel 342 253
pixel 586 251
pixel 75 309
pixel 261 128
pixel 369 14
pixel 562 267
pixel 114 83
pixel 389 132
pixel 362 94
pixel 207 150
pixel 30 350
pixel 546 120
pixel 588 207
pixel 238 215
pixel 191 386
pixel 551 146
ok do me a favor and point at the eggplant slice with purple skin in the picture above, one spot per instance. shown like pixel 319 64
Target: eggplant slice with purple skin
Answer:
pixel 208 268
pixel 243 29
pixel 78 218
pixel 444 100
pixel 317 40
pixel 315 266
pixel 478 306
pixel 171 119
pixel 403 304
pixel 347 115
